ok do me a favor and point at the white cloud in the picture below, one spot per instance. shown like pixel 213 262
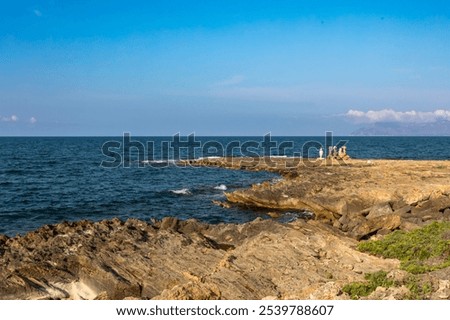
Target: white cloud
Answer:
pixel 389 115
pixel 37 13
pixel 12 118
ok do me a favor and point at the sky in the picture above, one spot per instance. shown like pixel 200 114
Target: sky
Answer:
pixel 88 68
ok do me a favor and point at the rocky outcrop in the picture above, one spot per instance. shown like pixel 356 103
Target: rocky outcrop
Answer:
pixel 359 197
pixel 173 259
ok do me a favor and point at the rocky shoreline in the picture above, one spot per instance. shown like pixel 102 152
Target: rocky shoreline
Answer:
pixel 173 259
pixel 262 259
pixel 359 197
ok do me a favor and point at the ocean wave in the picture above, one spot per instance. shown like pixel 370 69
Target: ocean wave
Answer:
pixel 221 187
pixel 208 158
pixel 158 162
pixel 184 191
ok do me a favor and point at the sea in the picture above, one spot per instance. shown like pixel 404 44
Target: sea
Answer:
pixel 47 180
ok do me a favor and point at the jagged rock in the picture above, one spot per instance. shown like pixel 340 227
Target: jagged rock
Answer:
pixel 174 259
pixel 169 223
pixel 355 222
pixel 446 215
pixel 370 226
pixel 434 207
pixel 443 291
pixel 351 190
pixel 392 293
pixel 398 276
pixel 102 296
pixel 383 232
pixel 409 226
pixel 274 214
pixel 434 216
pixel 328 291
pixel 222 204
pixel 380 209
pixel 404 211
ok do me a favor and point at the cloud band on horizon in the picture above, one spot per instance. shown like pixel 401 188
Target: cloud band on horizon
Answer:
pixel 390 115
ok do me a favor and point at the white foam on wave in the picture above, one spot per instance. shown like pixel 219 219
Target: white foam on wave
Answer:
pixel 276 156
pixel 221 187
pixel 181 191
pixel 159 161
pixel 205 158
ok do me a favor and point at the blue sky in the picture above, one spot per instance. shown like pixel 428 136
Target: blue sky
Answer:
pixel 220 67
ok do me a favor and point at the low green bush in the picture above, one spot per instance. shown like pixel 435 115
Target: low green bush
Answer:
pixel 362 289
pixel 419 251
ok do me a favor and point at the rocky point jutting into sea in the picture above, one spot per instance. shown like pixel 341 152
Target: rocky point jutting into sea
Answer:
pixel 351 201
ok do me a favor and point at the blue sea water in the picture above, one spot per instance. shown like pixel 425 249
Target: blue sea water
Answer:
pixel 45 180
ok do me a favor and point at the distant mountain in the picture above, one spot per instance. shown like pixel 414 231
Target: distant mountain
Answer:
pixel 440 128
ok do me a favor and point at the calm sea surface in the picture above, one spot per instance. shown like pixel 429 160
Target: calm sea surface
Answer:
pixel 49 180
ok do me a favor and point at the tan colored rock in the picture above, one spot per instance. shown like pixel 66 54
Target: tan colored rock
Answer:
pixel 446 214
pixel 368 227
pixel 380 209
pixel 443 291
pixel 222 204
pixel 404 211
pixel 102 296
pixel 182 260
pixel 190 291
pixel 328 291
pixel 392 293
pixel 409 226
pixel 274 214
pixel 399 276
pixel 346 191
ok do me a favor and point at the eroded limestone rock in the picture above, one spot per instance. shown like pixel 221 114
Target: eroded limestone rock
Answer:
pixel 172 259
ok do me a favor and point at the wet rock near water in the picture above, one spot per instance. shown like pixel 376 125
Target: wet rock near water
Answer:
pixel 359 197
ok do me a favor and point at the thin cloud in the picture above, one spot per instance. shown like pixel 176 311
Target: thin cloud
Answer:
pixel 232 81
pixel 37 13
pixel 389 115
pixel 12 118
pixel 33 120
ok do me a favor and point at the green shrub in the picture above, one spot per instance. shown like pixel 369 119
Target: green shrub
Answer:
pixel 362 289
pixel 419 251
pixel 357 289
pixel 418 289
